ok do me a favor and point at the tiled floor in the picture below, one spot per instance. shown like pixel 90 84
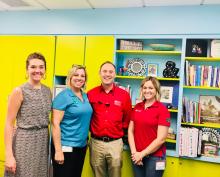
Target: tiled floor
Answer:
pixel 1 168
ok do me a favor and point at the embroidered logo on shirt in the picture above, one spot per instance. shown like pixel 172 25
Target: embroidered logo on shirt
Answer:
pixel 168 120
pixel 137 110
pixel 117 103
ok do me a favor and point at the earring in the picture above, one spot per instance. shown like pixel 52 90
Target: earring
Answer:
pixel 26 76
pixel 45 76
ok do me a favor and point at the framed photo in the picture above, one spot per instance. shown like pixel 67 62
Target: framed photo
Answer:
pixel 210 108
pixel 215 48
pixel 58 89
pixel 196 47
pixel 152 69
pixel 166 94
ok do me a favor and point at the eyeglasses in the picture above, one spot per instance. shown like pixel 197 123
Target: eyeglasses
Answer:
pixel 78 66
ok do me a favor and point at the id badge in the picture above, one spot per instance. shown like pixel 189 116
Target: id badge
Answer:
pixel 67 149
pixel 160 164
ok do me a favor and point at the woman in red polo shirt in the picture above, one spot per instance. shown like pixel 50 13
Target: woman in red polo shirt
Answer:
pixel 148 130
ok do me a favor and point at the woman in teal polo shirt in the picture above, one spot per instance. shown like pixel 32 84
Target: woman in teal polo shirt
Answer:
pixel 70 125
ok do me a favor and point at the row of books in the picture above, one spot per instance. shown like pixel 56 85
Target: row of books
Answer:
pixel 191 111
pixel 202 75
pixel 190 143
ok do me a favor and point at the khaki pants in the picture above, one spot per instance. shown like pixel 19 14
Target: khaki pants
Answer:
pixel 106 157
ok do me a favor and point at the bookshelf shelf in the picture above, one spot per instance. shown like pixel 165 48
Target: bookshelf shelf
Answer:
pixel 213 159
pixel 148 52
pixel 200 87
pixel 205 59
pixel 142 77
pixel 170 141
pixel 167 79
pixel 173 110
pixel 210 125
pixel 130 77
pixel 171 153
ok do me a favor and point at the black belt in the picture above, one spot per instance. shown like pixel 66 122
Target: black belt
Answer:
pixel 104 138
pixel 34 128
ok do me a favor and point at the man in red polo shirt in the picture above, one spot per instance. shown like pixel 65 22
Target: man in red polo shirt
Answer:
pixel 111 109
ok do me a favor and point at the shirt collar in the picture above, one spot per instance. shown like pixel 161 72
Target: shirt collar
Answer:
pixel 155 104
pixel 111 91
pixel 72 94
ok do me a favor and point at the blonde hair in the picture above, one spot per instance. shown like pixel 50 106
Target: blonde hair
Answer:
pixel 72 72
pixel 155 83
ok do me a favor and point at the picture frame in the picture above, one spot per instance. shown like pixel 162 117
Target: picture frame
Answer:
pixel 196 47
pixel 210 108
pixel 152 69
pixel 215 48
pixel 58 89
pixel 166 94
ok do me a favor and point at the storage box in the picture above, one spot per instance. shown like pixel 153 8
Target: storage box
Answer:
pixel 196 47
pixel 210 149
pixel 131 45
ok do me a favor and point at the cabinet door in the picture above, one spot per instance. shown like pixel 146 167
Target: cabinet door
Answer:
pixel 188 168
pixel 22 47
pixel 69 51
pixel 172 164
pixel 98 50
pixel 5 86
pixel 13 54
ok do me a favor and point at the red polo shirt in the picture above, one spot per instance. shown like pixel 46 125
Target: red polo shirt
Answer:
pixel 146 122
pixel 111 111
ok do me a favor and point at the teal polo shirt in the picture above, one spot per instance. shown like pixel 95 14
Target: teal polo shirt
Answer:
pixel 76 120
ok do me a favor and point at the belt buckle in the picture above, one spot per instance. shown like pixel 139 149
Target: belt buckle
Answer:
pixel 106 139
